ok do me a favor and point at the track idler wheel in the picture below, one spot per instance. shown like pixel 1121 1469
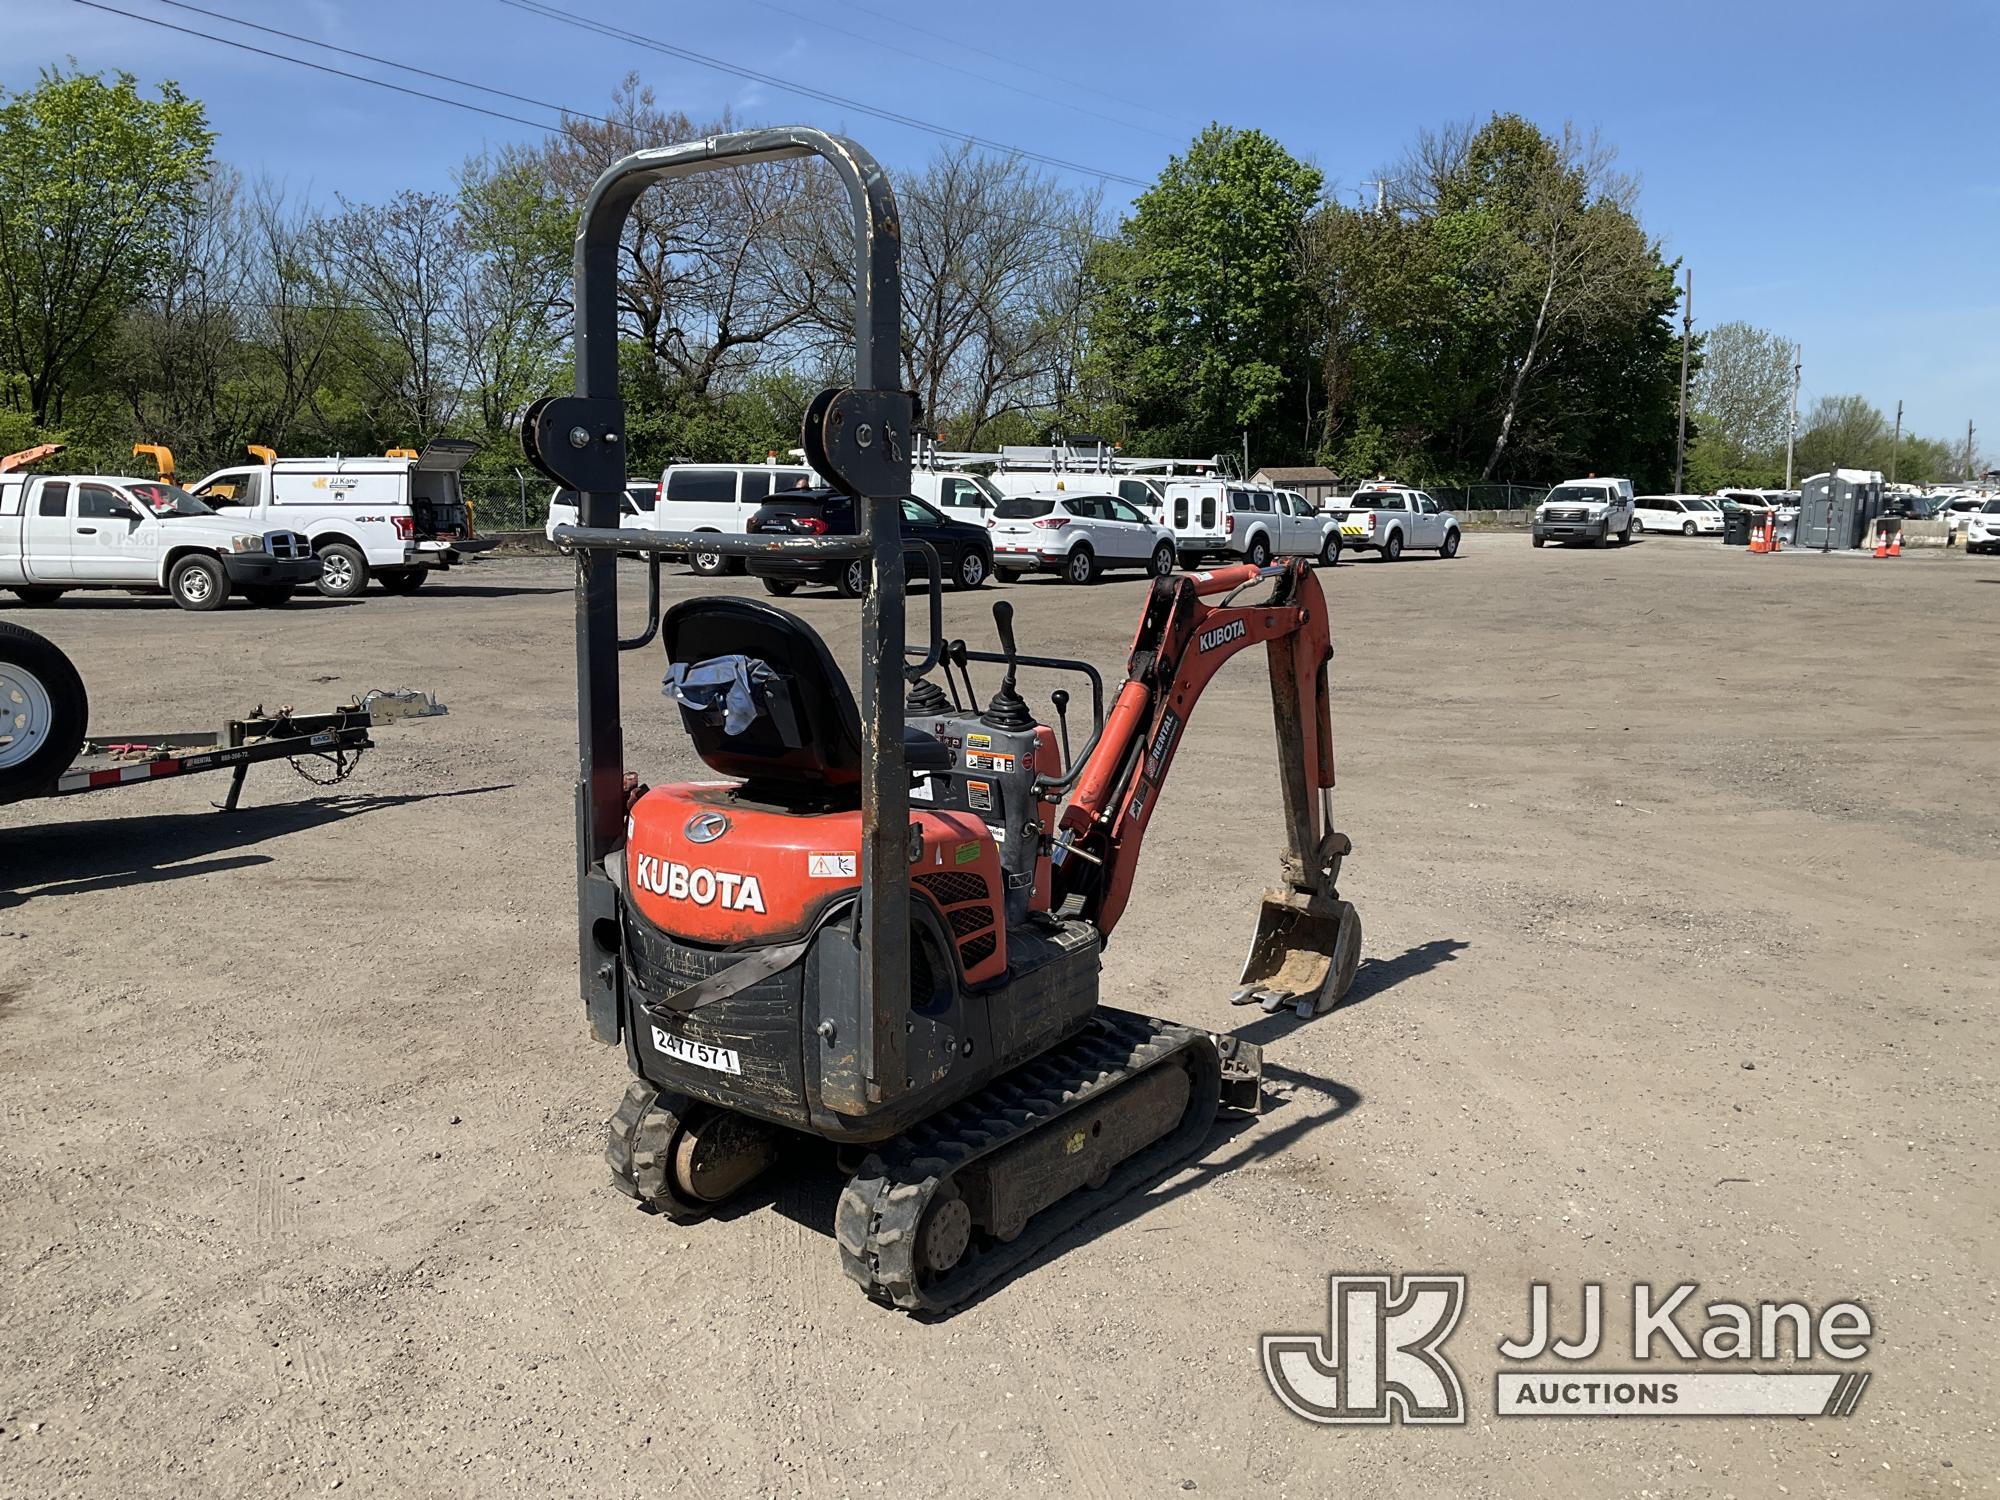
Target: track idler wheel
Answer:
pixel 680 1158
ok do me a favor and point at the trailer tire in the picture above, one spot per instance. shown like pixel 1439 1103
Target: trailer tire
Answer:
pixel 268 595
pixel 343 571
pixel 44 713
pixel 403 580
pixel 198 583
pixel 37 594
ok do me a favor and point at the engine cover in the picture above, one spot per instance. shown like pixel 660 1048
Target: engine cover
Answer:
pixel 704 866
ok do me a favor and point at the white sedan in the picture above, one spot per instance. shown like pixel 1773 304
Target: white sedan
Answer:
pixel 1690 515
pixel 1078 536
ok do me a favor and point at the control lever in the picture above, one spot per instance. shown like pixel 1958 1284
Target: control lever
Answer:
pixel 955 655
pixel 1060 697
pixel 1006 709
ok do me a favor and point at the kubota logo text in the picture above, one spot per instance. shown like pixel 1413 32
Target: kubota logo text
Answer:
pixel 704 887
pixel 1221 635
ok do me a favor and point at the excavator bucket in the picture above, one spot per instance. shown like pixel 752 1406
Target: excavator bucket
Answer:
pixel 1303 956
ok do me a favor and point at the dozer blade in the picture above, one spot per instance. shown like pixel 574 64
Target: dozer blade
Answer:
pixel 1303 955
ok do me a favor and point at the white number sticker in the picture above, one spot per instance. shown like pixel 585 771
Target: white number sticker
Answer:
pixel 717 1059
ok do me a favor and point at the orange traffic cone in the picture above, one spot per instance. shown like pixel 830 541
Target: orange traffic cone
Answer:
pixel 1881 545
pixel 1895 544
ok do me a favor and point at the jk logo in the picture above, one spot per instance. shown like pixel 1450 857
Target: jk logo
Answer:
pixel 1380 1358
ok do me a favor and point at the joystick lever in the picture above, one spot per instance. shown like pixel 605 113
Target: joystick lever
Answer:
pixel 1006 710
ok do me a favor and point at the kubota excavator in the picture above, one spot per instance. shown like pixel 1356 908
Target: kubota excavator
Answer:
pixel 883 926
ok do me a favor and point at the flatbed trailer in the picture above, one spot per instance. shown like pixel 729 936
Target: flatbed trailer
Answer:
pixel 339 737
pixel 41 692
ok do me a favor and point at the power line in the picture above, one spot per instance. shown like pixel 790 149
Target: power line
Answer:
pixel 616 33
pixel 380 83
pixel 384 62
pixel 1092 84
pixel 909 192
pixel 987 78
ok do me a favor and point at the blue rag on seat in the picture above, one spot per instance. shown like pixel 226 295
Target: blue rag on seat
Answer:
pixel 723 686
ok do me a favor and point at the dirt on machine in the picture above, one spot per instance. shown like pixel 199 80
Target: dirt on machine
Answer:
pixel 881 925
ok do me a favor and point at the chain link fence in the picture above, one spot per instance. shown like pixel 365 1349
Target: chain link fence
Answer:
pixel 519 502
pixel 1490 496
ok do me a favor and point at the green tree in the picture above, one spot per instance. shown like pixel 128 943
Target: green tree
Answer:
pixel 1197 332
pixel 93 177
pixel 1742 395
pixel 1503 316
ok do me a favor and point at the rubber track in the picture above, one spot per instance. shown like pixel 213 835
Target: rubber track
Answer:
pixel 638 1146
pixel 883 1206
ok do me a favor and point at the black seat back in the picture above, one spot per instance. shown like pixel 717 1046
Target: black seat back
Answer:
pixel 810 754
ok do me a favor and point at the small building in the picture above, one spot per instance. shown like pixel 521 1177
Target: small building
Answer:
pixel 1318 485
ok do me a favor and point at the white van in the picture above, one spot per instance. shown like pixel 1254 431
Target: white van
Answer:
pixel 398 518
pixel 722 498
pixel 960 494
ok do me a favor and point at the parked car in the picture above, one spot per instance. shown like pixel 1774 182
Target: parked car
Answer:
pixel 1958 510
pixel 398 518
pixel 1585 510
pixel 64 532
pixel 1982 528
pixel 1690 515
pixel 965 554
pixel 638 510
pixel 1078 536
pixel 1389 519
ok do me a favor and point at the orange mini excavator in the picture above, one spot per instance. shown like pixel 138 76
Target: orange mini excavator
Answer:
pixel 883 925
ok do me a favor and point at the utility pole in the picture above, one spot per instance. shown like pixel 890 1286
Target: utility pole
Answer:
pixel 1896 443
pixel 1687 337
pixel 1792 427
pixel 1246 455
pixel 1968 448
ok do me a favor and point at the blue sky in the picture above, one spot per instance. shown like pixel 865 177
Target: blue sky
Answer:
pixel 1830 170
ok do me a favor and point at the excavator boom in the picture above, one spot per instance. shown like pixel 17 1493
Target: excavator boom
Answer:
pixel 1308 939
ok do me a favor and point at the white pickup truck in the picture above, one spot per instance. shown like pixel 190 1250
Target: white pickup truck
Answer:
pixel 60 532
pixel 1388 519
pixel 1586 510
pixel 1253 523
pixel 397 519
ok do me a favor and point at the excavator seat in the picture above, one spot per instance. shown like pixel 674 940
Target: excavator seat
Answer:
pixel 763 701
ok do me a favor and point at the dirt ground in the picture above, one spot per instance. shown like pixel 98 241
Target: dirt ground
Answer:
pixel 1678 871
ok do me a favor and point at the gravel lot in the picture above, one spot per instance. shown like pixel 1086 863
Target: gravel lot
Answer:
pixel 1678 870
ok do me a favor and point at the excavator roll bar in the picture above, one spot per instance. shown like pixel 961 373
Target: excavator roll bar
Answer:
pixel 861 438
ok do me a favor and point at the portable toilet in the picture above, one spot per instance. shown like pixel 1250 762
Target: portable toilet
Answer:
pixel 1839 509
